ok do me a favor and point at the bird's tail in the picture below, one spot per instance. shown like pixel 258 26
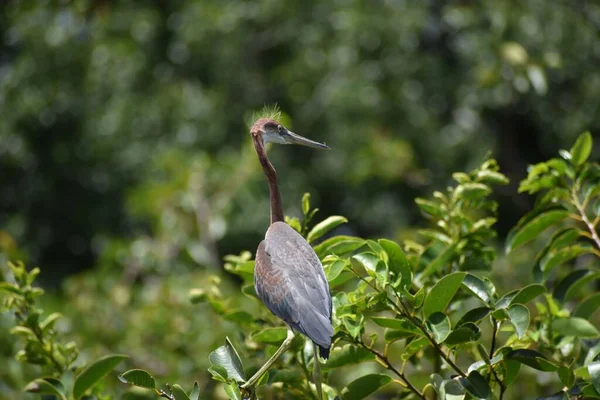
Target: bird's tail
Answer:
pixel 324 351
pixel 317 371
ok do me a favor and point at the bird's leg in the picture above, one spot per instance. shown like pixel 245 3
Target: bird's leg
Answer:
pixel 282 349
pixel 317 373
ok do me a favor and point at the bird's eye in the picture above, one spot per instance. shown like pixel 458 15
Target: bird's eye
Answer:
pixel 280 128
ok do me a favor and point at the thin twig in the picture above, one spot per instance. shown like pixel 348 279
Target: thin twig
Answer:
pixel 492 350
pixel 386 363
pixel 421 327
pixel 586 221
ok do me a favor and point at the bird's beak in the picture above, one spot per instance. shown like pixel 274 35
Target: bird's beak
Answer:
pixel 292 138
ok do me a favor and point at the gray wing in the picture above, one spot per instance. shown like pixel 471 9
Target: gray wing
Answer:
pixel 289 279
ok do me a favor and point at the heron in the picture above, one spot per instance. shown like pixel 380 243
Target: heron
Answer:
pixel 288 275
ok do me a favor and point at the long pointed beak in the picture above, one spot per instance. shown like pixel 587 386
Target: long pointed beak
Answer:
pixel 292 138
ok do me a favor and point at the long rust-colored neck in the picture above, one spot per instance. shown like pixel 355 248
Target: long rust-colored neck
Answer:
pixel 271 174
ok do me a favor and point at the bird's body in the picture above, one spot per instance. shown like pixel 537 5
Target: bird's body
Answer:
pixel 289 279
pixel 288 276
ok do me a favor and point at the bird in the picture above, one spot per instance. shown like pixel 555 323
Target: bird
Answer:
pixel 288 275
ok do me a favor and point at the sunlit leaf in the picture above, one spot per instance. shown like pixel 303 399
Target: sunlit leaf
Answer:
pixel 581 149
pixel 519 316
pixel 594 371
pixel 227 357
pixel 397 261
pixel 233 392
pixel 439 325
pixel 521 296
pixel 94 373
pixel 478 287
pixel 442 292
pixel 339 245
pixel 324 227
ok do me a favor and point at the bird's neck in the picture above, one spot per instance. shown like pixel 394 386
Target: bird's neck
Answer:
pixel 271 174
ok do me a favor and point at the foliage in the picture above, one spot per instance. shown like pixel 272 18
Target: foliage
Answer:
pixel 424 320
pixel 428 296
pixel 117 105
pixel 42 347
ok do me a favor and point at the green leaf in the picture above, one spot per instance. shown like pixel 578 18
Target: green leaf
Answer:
pixel 588 306
pixel 468 332
pixel 305 203
pixel 532 359
pixel 325 226
pixel 49 386
pixel 519 317
pixel 364 386
pixel 523 234
pixel 368 261
pixel 179 393
pixel 227 357
pixel 560 256
pixel 581 149
pixel 270 336
pixel 218 373
pixel 492 177
pixel 565 284
pixel 195 394
pixel 478 287
pixel 400 324
pixel 522 296
pixel 442 293
pixel 339 245
pixel 566 376
pixel 138 377
pixel 472 191
pixel 476 385
pixel 439 325
pixel 397 261
pixel 594 371
pixel 413 347
pixel 233 392
pixel 578 285
pixel 592 354
pixel 511 369
pixel 430 207
pixel 347 355
pixel 10 288
pixel 474 315
pixel 577 327
pixel 334 269
pixel 441 260
pixel 94 373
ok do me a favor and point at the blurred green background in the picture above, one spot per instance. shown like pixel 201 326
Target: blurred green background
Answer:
pixel 127 171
